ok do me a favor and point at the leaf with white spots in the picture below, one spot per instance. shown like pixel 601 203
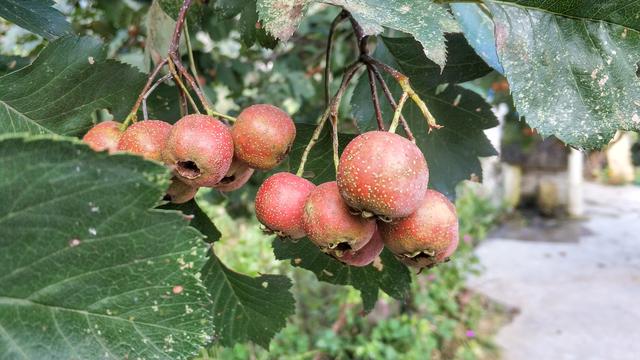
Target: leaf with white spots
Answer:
pixel 620 12
pixel 477 27
pixel 247 308
pixel 573 77
pixel 37 16
pixel 424 20
pixel 87 268
pixel 386 273
pixel 244 308
pixel 64 86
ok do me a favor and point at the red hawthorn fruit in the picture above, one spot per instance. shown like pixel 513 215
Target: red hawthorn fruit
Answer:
pixel 199 149
pixel 280 204
pixel 366 255
pixel 104 136
pixel 179 192
pixel 426 237
pixel 330 225
pixel 383 174
pixel 145 138
pixel 238 175
pixel 262 136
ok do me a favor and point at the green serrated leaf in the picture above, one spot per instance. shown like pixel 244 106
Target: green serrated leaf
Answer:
pixel 87 268
pixel 389 275
pixel 451 152
pixel 37 16
pixel 463 64
pixel 12 63
pixel 424 20
pixel 319 167
pixel 282 17
pixel 619 12
pixel 571 77
pixel 160 28
pixel 199 219
pixel 59 91
pixel 246 308
pixel 194 15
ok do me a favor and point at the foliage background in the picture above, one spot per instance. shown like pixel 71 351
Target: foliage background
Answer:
pixel 235 72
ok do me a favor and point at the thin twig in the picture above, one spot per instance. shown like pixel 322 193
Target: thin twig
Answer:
pixel 331 109
pixel 192 62
pixel 327 62
pixel 334 140
pixel 403 81
pixel 183 88
pixel 174 54
pixel 374 98
pixel 132 114
pixel 146 95
pixel 397 112
pixel 392 102
pixel 361 38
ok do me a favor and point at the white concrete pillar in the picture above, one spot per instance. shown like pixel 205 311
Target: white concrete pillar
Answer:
pixel 575 206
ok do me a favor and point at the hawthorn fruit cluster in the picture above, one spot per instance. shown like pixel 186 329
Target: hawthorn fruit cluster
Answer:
pixel 380 198
pixel 201 150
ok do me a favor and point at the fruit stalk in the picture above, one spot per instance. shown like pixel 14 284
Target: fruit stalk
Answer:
pixel 181 86
pixel 374 98
pixel 398 112
pixel 145 114
pixel 404 83
pixel 392 101
pixel 327 62
pixel 332 109
pixel 132 114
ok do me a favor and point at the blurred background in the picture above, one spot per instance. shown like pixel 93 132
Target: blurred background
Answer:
pixel 549 260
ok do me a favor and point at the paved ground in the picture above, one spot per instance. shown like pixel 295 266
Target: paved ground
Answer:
pixel 576 299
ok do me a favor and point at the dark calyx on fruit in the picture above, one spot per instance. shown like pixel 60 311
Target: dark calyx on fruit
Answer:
pixel 428 236
pixel 199 149
pixel 330 225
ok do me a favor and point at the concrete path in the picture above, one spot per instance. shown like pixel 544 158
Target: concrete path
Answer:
pixel 576 299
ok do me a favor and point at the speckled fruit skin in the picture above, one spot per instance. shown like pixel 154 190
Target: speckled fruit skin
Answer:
pixel 104 136
pixel 179 192
pixel 199 149
pixel 383 173
pixel 263 136
pixel 145 138
pixel 426 237
pixel 238 175
pixel 329 223
pixel 280 204
pixel 366 255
